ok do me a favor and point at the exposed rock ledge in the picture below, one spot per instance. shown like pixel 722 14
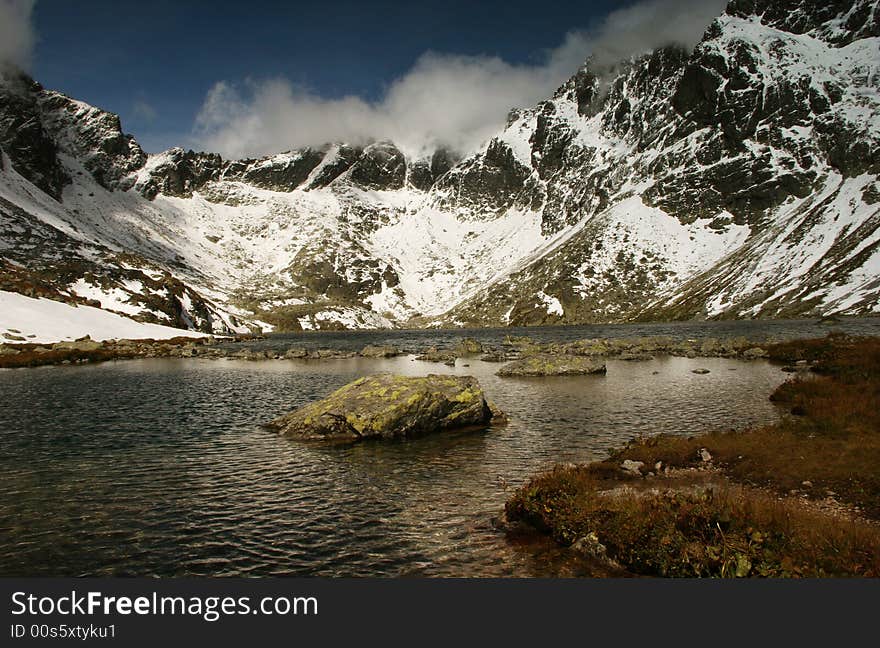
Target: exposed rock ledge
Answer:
pixel 387 406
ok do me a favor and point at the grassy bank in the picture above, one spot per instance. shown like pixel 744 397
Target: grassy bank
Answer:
pixel 799 498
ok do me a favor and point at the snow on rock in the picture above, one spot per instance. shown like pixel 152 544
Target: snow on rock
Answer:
pixel 554 307
pixel 735 180
pixel 44 320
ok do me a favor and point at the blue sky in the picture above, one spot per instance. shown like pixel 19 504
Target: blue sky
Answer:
pixel 153 62
pixel 247 78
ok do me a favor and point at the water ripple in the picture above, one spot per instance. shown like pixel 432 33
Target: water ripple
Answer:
pixel 160 467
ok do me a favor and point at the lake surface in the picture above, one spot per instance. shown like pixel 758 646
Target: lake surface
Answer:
pixel 160 467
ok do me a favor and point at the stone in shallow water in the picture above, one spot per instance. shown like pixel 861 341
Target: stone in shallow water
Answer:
pixel 553 365
pixel 382 351
pixel 387 406
pixel 468 346
pixel 435 355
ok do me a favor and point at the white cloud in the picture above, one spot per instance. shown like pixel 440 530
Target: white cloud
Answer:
pixel 457 101
pixel 16 32
pixel 143 111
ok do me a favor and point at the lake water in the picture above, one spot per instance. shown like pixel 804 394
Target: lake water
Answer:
pixel 160 467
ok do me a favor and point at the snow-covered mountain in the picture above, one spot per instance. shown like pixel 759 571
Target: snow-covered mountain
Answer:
pixel 737 180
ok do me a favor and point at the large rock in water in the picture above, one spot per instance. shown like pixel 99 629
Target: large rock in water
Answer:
pixel 387 406
pixel 552 365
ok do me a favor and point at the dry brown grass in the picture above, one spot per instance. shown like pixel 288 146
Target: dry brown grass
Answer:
pixel 687 532
pixel 830 447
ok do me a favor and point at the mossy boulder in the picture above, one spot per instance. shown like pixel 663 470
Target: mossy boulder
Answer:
pixel 552 365
pixel 387 406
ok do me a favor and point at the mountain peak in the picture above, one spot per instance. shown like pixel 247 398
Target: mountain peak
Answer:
pixel 738 179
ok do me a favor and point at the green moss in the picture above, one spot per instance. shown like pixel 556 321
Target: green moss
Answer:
pixel 468 396
pixel 356 422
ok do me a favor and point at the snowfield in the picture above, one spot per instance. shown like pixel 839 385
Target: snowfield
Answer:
pixel 44 320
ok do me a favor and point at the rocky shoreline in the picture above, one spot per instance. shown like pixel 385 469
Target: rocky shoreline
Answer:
pixel 586 353
pixel 799 498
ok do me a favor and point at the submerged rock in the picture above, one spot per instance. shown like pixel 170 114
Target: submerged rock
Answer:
pixel 387 406
pixel 635 356
pixel 553 365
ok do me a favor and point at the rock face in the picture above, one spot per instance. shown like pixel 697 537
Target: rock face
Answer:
pixel 387 407
pixel 30 147
pixel 553 365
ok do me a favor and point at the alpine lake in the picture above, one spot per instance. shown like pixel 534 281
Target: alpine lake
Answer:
pixel 161 467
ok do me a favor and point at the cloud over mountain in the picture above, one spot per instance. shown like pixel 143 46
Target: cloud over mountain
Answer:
pixel 447 99
pixel 16 32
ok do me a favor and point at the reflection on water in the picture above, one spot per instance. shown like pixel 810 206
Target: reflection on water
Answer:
pixel 160 467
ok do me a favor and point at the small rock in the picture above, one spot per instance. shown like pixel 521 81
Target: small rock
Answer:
pixel 590 547
pixel 807 483
pixel 633 467
pixel 658 466
pixel 705 456
pixel 700 371
pixel 498 356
